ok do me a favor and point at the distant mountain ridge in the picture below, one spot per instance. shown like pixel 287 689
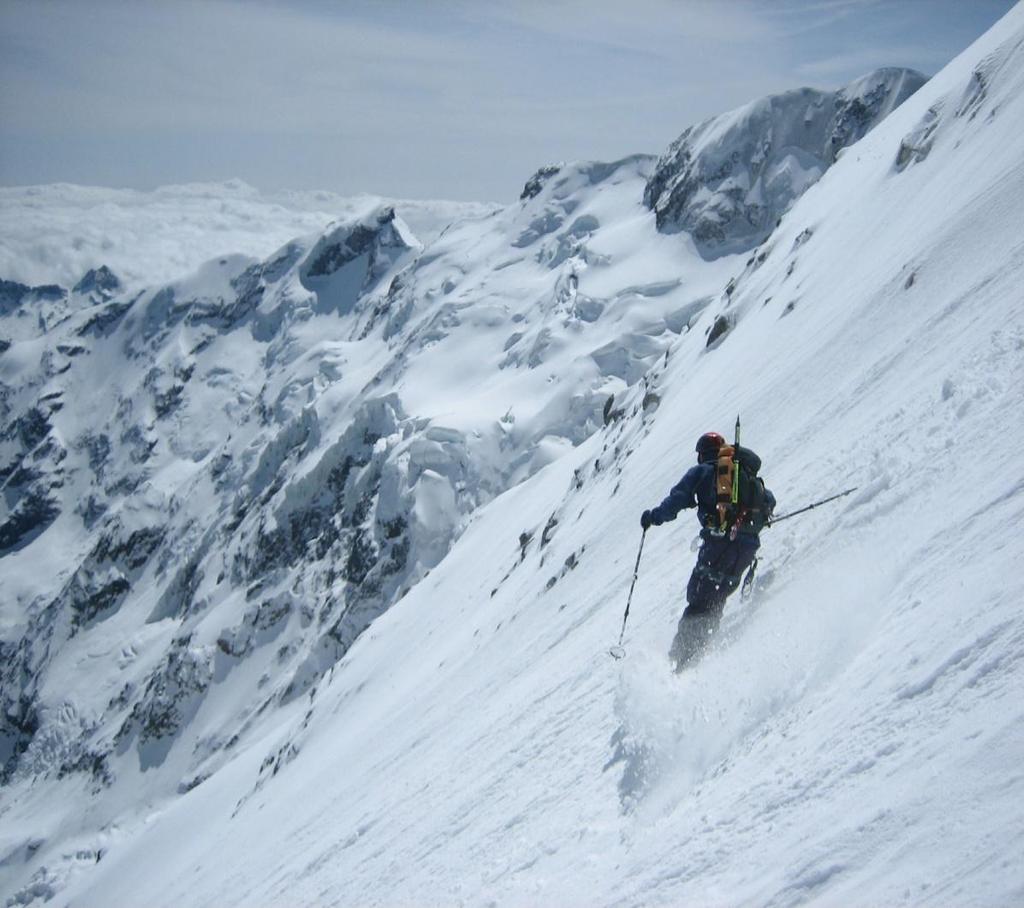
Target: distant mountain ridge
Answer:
pixel 728 180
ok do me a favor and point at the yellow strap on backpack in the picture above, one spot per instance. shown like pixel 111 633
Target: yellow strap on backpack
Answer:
pixel 726 483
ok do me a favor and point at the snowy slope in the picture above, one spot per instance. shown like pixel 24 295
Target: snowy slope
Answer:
pixel 855 738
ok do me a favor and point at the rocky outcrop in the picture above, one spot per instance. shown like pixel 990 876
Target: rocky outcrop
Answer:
pixel 100 284
pixel 349 259
pixel 32 311
pixel 535 184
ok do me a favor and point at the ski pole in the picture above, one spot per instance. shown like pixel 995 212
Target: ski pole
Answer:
pixel 748 582
pixel 810 506
pixel 618 651
pixel 735 466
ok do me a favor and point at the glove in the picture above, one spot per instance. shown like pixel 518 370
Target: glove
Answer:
pixel 646 520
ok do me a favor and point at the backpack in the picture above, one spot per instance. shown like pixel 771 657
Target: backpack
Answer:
pixel 739 491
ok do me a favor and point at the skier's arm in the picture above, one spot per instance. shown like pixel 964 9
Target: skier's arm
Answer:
pixel 683 495
pixel 769 503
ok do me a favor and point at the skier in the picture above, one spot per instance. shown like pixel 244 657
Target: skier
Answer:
pixel 729 533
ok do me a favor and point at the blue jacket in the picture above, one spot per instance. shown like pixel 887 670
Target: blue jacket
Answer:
pixel 697 490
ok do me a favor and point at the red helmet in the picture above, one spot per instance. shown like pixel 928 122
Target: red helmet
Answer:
pixel 708 445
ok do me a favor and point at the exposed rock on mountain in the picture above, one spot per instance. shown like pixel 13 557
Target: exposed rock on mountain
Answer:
pixel 727 180
pixel 100 283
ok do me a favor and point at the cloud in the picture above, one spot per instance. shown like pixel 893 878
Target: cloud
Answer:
pixel 54 234
pixel 219 63
pixel 845 66
pixel 225 64
pixel 226 79
pixel 419 97
pixel 642 26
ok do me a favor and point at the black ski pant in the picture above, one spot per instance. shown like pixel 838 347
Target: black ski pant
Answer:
pixel 719 570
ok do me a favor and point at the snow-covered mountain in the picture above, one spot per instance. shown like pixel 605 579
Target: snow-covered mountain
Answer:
pixel 276 451
pixel 728 180
pixel 311 561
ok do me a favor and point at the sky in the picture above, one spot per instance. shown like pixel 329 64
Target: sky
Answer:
pixel 456 99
